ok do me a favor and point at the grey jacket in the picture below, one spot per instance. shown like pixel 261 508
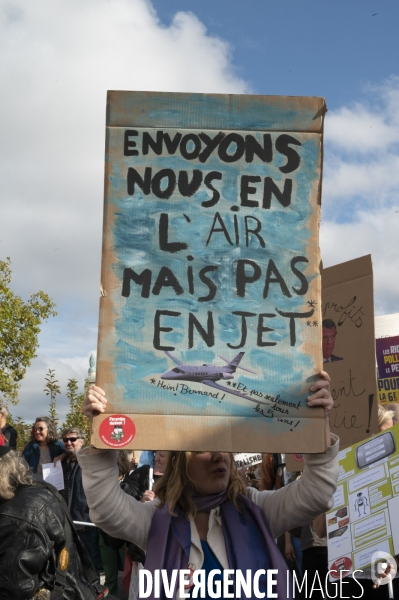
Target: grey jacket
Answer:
pixel 122 516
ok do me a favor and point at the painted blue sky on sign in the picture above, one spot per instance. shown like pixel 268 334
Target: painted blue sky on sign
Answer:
pixel 215 226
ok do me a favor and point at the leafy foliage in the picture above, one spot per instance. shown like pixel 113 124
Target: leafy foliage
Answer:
pixel 19 329
pixel 23 429
pixel 52 389
pixel 75 417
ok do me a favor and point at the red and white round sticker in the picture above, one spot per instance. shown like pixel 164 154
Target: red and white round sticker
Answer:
pixel 298 457
pixel 343 564
pixel 117 431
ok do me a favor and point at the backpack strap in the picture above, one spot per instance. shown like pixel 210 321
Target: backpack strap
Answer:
pixel 62 565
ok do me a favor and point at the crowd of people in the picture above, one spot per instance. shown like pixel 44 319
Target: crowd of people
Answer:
pixel 175 510
pixel 30 560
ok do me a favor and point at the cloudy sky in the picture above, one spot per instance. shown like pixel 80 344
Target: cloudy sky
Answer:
pixel 59 57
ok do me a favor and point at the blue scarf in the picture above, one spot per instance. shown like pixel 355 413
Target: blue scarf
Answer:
pixel 249 543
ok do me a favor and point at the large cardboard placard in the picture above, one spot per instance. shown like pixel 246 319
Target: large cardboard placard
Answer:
pixel 364 519
pixel 348 351
pixel 348 302
pixel 209 333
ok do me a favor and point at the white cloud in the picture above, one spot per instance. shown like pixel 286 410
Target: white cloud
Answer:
pixel 361 188
pixel 373 232
pixel 368 126
pixel 57 60
pixel 362 152
pixel 360 129
pixel 376 181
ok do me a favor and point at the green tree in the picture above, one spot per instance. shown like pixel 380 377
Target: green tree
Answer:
pixel 52 389
pixel 19 329
pixel 23 429
pixel 75 417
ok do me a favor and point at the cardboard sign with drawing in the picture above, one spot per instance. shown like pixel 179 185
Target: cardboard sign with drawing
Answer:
pixel 348 351
pixel 348 348
pixel 209 333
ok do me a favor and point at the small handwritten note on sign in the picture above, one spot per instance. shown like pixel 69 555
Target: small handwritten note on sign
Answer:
pixel 349 348
pixel 210 322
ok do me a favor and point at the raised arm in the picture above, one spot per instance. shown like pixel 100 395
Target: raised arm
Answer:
pixel 302 501
pixel 117 513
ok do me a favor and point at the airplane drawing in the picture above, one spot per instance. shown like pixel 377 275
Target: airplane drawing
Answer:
pixel 209 374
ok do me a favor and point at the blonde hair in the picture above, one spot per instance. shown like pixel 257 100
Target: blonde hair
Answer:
pixel 384 415
pixel 177 488
pixel 395 408
pixel 14 472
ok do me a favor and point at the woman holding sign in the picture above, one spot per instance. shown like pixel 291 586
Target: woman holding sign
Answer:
pixel 204 519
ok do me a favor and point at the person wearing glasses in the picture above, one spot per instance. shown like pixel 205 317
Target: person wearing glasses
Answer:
pixel 74 439
pixel 44 446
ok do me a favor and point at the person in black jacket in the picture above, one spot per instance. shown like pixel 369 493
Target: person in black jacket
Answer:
pixel 137 483
pixel 74 495
pixel 33 537
pixel 9 433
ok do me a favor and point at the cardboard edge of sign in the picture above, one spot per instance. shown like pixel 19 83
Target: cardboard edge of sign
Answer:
pixel 211 111
pixel 347 271
pixel 191 433
pixel 215 111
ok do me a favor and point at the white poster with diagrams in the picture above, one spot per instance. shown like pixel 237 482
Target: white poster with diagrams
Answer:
pixel 364 518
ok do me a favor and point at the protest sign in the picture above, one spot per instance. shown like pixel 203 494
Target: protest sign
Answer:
pixel 387 326
pixel 294 462
pixel 349 348
pixel 209 334
pixel 348 351
pixel 388 389
pixel 363 519
pixel 387 352
pixel 247 460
